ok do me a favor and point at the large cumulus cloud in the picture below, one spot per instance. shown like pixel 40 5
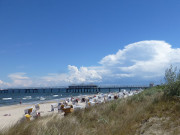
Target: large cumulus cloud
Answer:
pixel 142 59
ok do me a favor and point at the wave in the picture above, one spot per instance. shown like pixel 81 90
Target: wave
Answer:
pixel 42 98
pixel 55 95
pixel 27 97
pixel 6 98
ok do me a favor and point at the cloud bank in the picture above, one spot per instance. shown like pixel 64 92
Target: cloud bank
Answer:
pixel 143 59
pixel 137 62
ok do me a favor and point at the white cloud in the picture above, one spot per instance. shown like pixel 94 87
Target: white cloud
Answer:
pixel 18 76
pixel 143 61
pixel 20 80
pixel 4 84
pixel 75 75
pixel 82 75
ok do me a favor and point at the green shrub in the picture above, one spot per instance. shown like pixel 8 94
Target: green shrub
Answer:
pixel 173 89
pixel 172 81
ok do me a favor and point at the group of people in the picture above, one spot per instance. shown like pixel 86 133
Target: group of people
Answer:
pixel 81 102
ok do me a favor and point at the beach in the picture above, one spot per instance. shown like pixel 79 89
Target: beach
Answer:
pixel 9 115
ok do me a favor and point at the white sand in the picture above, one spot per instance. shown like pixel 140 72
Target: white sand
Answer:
pixel 17 112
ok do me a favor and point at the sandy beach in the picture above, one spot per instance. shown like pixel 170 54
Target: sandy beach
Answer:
pixel 9 115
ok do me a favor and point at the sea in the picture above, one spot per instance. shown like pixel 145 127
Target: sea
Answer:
pixel 15 97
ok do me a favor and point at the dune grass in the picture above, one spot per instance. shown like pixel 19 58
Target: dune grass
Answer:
pixel 128 116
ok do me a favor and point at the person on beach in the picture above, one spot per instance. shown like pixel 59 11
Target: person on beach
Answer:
pixel 20 102
pixel 52 108
pixel 59 107
pixel 72 98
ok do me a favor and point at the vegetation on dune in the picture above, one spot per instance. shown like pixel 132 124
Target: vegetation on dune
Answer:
pixel 172 82
pixel 153 111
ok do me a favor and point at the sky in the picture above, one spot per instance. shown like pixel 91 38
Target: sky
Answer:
pixel 62 42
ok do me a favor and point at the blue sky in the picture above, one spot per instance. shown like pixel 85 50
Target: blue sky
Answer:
pixel 62 42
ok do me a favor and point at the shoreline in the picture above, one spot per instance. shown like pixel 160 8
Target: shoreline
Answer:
pixel 35 101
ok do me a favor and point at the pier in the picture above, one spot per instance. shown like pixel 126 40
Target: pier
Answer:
pixel 82 89
pixel 72 89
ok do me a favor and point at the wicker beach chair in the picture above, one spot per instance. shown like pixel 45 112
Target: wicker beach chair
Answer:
pixel 67 110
